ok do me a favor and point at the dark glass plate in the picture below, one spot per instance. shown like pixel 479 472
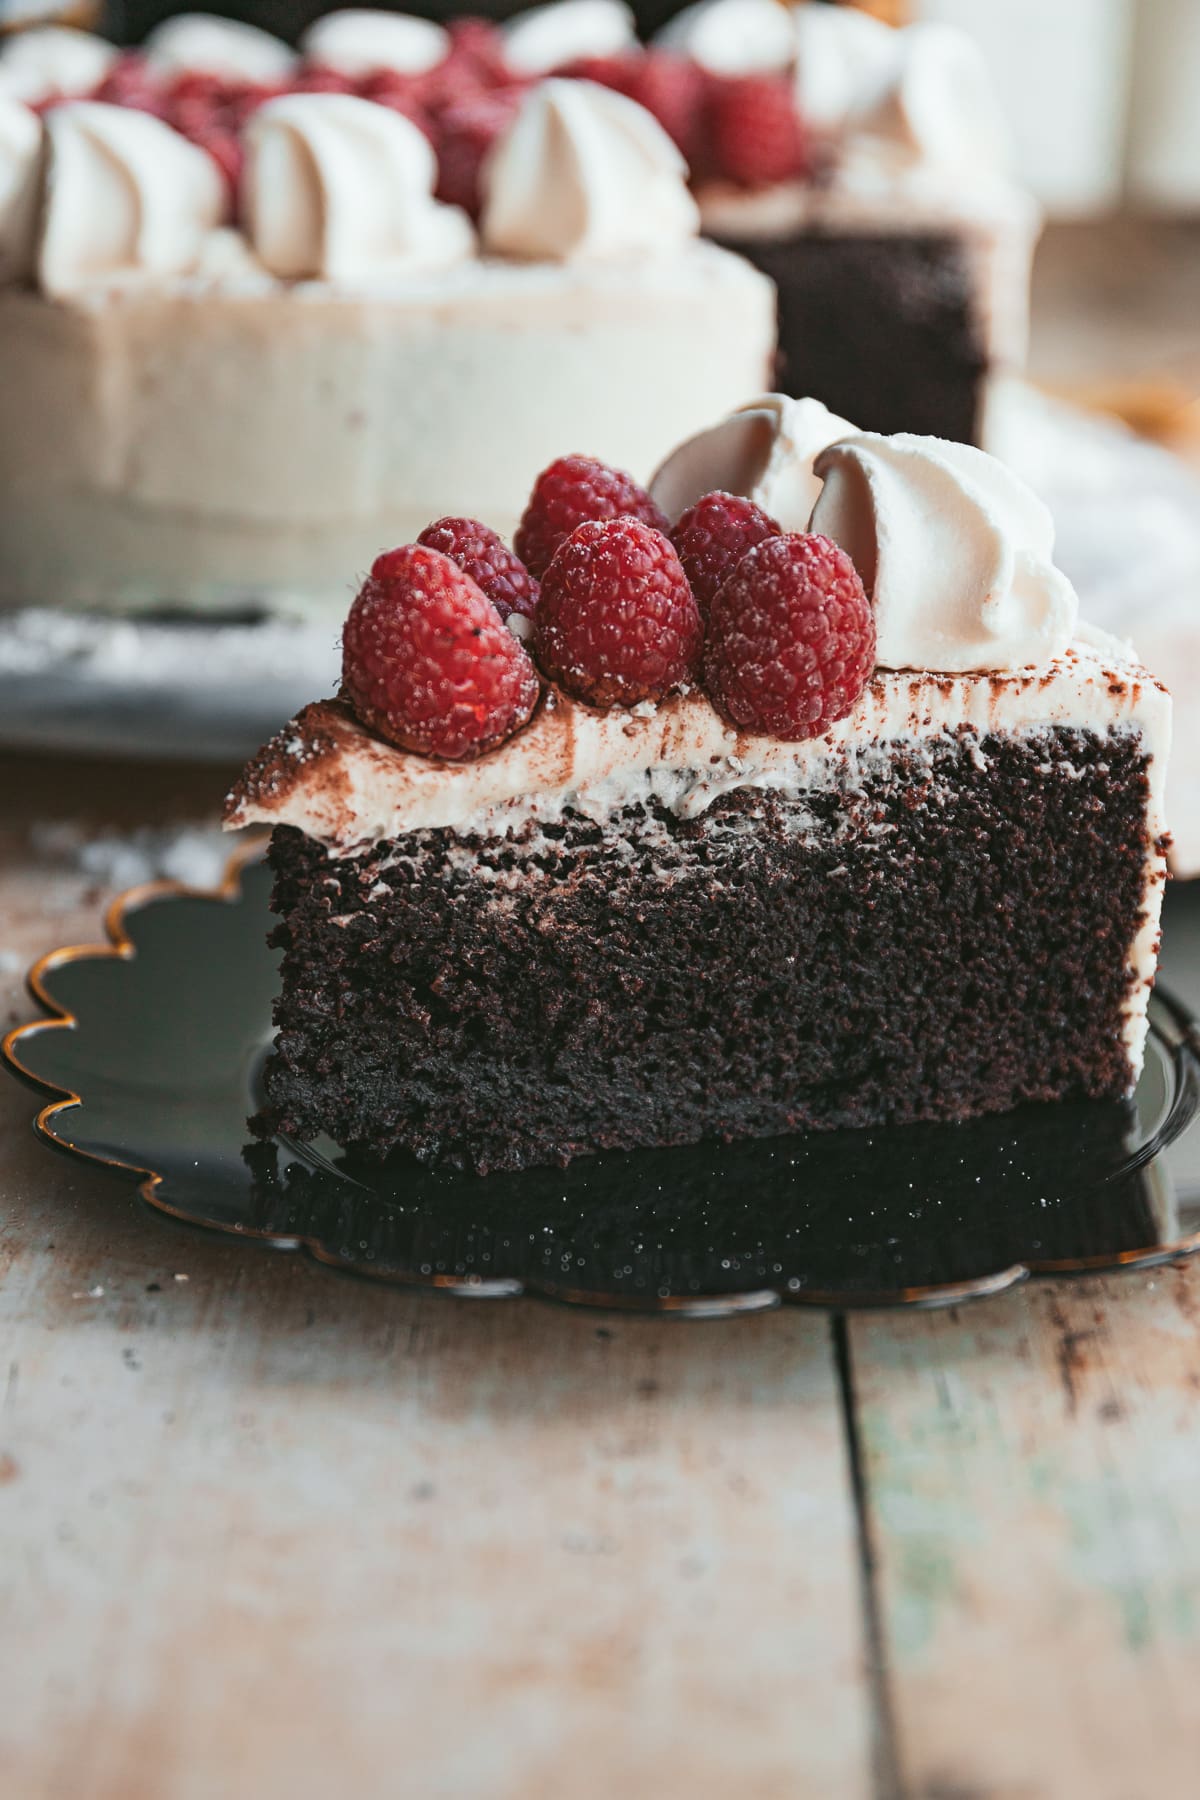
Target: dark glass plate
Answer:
pixel 153 1045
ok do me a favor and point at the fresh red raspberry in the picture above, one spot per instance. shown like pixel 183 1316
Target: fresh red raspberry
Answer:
pixel 315 78
pixel 674 90
pixel 399 93
pixel 130 83
pixel 617 622
pixel 465 133
pixel 791 638
pixel 571 491
pixel 616 71
pixel 755 135
pixel 477 51
pixel 712 537
pixel 670 88
pixel 483 555
pixel 196 85
pixel 389 87
pixel 427 663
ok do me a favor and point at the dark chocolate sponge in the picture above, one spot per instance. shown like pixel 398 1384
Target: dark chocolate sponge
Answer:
pixel 882 328
pixel 944 938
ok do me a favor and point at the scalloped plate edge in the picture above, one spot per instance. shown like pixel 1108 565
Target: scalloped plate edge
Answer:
pixel 120 947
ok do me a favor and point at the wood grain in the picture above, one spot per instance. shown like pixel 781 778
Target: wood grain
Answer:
pixel 1032 1470
pixel 270 1531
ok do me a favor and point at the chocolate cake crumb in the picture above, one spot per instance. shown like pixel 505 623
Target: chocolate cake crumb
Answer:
pixel 948 938
pixel 880 326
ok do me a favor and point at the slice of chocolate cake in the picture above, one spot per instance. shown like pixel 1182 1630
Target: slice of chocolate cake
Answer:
pixel 886 218
pixel 905 863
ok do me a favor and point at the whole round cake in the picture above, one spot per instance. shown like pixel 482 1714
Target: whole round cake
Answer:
pixel 254 326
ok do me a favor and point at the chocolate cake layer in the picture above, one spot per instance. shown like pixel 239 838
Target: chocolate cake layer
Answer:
pixel 881 327
pixel 946 933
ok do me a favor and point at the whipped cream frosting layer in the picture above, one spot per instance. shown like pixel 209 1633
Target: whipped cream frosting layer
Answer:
pixel 583 174
pixel 54 61
pixel 125 198
pixel 732 37
pixel 331 778
pixel 197 43
pixel 955 551
pixel 339 188
pixel 356 42
pixel 544 38
pixel 766 450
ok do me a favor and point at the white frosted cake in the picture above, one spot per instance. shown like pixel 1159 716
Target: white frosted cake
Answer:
pixel 232 384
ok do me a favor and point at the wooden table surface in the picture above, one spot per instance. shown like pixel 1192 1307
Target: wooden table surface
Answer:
pixel 272 1532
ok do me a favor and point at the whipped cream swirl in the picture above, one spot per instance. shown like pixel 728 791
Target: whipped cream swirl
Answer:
pixel 202 44
pixel 20 163
pixel 765 450
pixel 733 37
pixel 357 42
pixel 583 174
pixel 548 37
pixel 53 62
pixel 340 188
pixel 938 107
pixel 845 62
pixel 125 197
pixel 954 550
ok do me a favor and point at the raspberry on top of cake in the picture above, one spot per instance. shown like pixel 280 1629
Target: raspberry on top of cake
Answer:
pixel 793 794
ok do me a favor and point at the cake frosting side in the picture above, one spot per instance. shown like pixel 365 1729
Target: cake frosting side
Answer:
pixel 208 414
pixel 225 436
pixel 328 776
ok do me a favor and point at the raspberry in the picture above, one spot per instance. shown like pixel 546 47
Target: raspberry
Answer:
pixel 130 83
pixel 399 93
pixel 477 52
pixel 618 71
pixel 673 90
pixel 571 491
pixel 314 78
pixel 487 559
pixel 791 638
pixel 755 134
pixel 427 663
pixel 670 88
pixel 713 536
pixel 617 622
pixel 465 133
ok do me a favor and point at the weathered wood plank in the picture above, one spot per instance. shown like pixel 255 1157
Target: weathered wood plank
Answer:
pixel 271 1531
pixel 1032 1476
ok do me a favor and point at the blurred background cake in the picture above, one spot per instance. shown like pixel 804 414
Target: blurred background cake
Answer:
pixel 269 306
pixel 243 345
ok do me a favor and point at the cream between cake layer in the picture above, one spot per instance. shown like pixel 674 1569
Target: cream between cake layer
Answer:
pixel 210 440
pixel 328 777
